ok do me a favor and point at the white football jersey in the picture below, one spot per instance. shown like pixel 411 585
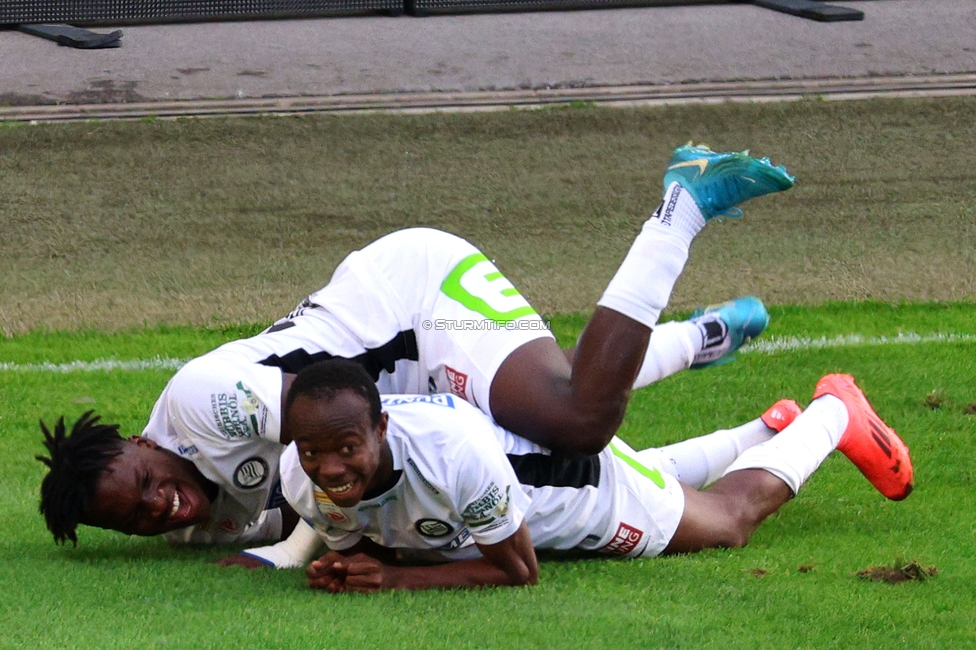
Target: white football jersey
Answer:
pixel 465 480
pixel 423 311
pixel 216 413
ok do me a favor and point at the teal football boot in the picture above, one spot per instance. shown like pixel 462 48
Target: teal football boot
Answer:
pixel 745 319
pixel 721 181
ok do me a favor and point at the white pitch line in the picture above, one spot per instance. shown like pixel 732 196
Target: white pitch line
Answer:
pixel 764 346
pixel 793 343
pixel 98 365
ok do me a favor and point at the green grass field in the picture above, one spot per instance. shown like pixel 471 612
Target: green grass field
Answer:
pixel 793 586
pixel 128 247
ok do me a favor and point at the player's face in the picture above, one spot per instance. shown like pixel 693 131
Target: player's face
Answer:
pixel 148 490
pixel 339 448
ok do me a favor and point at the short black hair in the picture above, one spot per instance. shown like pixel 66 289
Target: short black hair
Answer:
pixel 76 463
pixel 324 379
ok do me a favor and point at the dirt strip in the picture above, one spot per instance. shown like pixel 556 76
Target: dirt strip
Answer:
pixel 427 102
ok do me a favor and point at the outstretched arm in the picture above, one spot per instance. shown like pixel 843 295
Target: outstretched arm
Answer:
pixel 509 562
pixel 300 545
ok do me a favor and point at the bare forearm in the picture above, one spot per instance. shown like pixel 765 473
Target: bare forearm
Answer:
pixel 511 562
pixel 456 575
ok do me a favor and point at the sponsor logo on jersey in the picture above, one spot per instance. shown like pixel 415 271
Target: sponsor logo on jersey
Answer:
pixel 458 382
pixel 502 508
pixel 421 476
pixel 320 496
pixel 229 526
pixel 477 284
pixel 399 400
pixel 327 507
pixel 624 541
pixel 250 405
pixel 238 415
pixel 301 308
pixel 187 450
pixel 491 504
pixel 433 528
pixel 498 523
pixel 226 415
pixel 458 540
pixel 252 473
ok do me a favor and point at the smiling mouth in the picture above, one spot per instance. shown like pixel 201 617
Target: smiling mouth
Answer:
pixel 341 489
pixel 176 504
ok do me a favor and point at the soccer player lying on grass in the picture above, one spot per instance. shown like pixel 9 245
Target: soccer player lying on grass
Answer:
pixel 431 478
pixel 423 312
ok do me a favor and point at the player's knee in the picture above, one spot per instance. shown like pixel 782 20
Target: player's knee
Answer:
pixel 726 523
pixel 727 534
pixel 559 419
pixel 737 538
pixel 592 429
pixel 742 523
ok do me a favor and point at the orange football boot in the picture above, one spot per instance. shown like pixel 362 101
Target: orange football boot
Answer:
pixel 868 442
pixel 781 414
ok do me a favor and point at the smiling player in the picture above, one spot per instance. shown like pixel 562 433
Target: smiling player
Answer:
pixel 430 478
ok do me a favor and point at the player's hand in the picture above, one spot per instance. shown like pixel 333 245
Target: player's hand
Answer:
pixel 365 574
pixel 246 561
pixel 328 573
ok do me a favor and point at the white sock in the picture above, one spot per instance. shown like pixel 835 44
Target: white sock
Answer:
pixel 642 285
pixel 677 345
pixel 799 449
pixel 672 348
pixel 698 462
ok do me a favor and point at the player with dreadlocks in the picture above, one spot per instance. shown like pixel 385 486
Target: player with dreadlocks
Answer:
pixel 89 458
pixel 76 464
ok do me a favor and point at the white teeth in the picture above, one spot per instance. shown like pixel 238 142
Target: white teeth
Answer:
pixel 176 503
pixel 340 489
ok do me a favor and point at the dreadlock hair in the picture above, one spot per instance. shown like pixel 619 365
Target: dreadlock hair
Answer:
pixel 324 379
pixel 75 465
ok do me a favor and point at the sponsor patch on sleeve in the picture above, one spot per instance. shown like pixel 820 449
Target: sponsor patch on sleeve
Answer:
pixel 487 507
pixel 238 413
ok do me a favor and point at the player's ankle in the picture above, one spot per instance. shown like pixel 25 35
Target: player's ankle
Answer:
pixel 715 338
pixel 678 214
